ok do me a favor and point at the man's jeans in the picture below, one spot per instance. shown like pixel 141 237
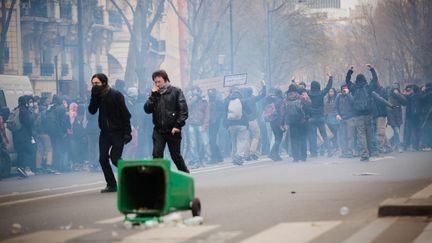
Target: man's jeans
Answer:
pixel 239 138
pixel 254 133
pixel 199 145
pixel 347 136
pixel 363 126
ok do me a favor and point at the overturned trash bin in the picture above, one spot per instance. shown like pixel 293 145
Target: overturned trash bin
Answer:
pixel 149 189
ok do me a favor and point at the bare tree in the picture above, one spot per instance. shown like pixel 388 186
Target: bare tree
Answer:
pixel 203 22
pixel 6 16
pixel 141 60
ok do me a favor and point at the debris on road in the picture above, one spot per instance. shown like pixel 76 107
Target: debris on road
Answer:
pixel 344 211
pixel 365 174
pixel 16 228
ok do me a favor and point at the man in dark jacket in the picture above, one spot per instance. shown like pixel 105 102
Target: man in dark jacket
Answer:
pixel 114 123
pixel 168 106
pixel 297 122
pixel 215 117
pixel 394 116
pixel 345 113
pixel 22 138
pixel 277 121
pixel 412 118
pixel 317 115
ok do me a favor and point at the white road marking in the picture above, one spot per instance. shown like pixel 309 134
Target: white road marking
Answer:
pixel 170 235
pixel 111 220
pixel 293 232
pixel 51 189
pixel 425 236
pixel 371 231
pixel 46 197
pixel 212 169
pixel 424 193
pixel 51 236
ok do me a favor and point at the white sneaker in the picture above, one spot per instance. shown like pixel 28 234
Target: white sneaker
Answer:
pixel 29 172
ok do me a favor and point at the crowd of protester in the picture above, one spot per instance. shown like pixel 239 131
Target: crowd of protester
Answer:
pixel 59 135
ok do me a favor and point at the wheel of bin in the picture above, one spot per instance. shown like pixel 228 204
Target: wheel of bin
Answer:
pixel 196 207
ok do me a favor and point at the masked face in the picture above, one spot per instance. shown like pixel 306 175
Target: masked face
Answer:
pixel 345 90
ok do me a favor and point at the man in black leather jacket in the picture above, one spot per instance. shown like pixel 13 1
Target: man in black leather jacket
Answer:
pixel 114 123
pixel 168 106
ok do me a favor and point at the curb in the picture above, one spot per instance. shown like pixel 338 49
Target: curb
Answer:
pixel 418 205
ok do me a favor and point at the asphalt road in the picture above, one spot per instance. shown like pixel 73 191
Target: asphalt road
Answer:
pixel 321 200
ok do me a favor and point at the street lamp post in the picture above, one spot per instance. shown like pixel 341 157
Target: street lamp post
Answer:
pixel 269 15
pixel 81 81
pixel 56 74
pixel 269 37
pixel 231 38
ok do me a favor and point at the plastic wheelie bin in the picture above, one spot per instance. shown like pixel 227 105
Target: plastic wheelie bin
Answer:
pixel 149 189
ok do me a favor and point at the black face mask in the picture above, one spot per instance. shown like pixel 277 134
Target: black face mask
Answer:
pixel 97 89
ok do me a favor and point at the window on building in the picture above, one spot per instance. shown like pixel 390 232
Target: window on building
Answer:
pixel 65 9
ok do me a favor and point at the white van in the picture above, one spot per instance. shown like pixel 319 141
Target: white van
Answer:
pixel 11 88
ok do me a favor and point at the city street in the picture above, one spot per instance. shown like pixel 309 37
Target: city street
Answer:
pixel 321 200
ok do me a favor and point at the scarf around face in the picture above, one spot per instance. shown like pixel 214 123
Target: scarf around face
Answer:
pixel 164 88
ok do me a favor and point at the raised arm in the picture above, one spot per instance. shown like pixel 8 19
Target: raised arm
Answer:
pixel 329 84
pixel 348 77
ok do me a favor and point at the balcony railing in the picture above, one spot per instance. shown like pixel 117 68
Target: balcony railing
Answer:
pixel 46 69
pixel 36 8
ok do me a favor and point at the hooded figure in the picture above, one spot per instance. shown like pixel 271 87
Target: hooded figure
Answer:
pixel 114 123
pixel 317 120
pixel 362 91
pixel 22 138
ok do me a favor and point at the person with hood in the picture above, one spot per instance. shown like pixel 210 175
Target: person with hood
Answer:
pixel 362 92
pixel 235 111
pixel 274 113
pixel 22 137
pixel 168 106
pixel 317 119
pixel 412 118
pixel 426 117
pixel 114 124
pixel 295 115
pixel 394 116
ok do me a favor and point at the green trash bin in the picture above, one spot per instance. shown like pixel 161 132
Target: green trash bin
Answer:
pixel 149 189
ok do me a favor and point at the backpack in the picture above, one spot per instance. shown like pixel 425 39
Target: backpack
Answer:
pixel 13 123
pixel 361 102
pixel 235 110
pixel 270 113
pixel 295 112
